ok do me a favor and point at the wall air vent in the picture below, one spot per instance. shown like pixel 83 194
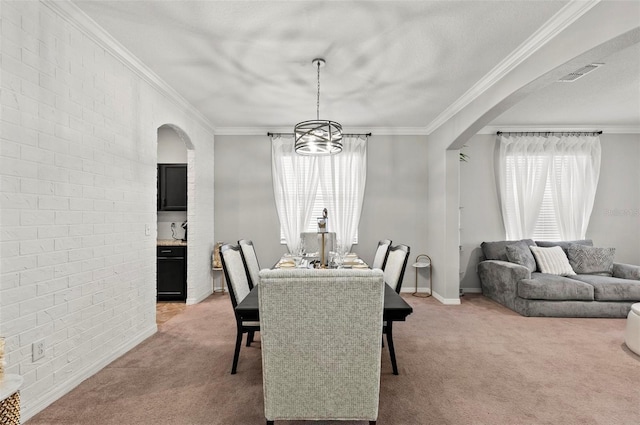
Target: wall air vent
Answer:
pixel 579 73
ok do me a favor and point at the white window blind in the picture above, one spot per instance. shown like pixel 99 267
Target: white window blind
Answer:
pixel 547 225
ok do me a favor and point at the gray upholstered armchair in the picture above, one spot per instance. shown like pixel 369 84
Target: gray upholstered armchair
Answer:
pixel 320 333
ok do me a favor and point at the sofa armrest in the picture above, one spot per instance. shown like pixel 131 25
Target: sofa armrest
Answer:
pixel 499 280
pixel 626 271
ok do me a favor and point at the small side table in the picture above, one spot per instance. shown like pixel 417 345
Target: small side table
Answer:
pixel 10 399
pixel 219 269
pixel 422 260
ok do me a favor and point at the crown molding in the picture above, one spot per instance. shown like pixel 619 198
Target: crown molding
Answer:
pixel 80 20
pixel 559 22
pixel 421 131
pixel 606 129
pixel 375 131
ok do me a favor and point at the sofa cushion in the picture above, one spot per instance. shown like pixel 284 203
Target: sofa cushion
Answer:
pixel 626 271
pixel 496 250
pixel 543 286
pixel 591 259
pixel 564 244
pixel 552 260
pixel 520 253
pixel 611 288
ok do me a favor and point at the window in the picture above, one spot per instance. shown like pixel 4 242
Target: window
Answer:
pixel 320 202
pixel 547 184
pixel 299 194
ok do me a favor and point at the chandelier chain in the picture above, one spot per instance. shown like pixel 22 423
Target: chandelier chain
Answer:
pixel 318 98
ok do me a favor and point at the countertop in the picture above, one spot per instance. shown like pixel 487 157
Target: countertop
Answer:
pixel 171 242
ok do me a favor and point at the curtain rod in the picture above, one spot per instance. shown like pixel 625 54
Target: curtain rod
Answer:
pixel 549 133
pixel 344 135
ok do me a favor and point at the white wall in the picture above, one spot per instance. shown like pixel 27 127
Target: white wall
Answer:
pixel 394 201
pixel 171 148
pixel 615 220
pixel 77 192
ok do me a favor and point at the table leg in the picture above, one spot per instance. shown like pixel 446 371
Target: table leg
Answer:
pixel 392 350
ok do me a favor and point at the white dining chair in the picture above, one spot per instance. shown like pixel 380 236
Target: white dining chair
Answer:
pixel 380 257
pixel 250 261
pixel 238 284
pixel 395 266
pixel 311 242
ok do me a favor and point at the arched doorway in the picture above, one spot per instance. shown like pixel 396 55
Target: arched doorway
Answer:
pixel 174 156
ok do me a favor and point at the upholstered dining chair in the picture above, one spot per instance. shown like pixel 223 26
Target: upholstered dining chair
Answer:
pixel 394 268
pixel 395 265
pixel 311 242
pixel 238 284
pixel 250 260
pixel 320 334
pixel 380 257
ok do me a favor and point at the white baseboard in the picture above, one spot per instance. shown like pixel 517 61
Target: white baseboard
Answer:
pixel 196 300
pixel 446 301
pixel 38 405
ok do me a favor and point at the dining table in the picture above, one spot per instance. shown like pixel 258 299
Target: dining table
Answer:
pixel 396 309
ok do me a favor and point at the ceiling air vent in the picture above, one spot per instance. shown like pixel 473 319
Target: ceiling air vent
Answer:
pixel 579 73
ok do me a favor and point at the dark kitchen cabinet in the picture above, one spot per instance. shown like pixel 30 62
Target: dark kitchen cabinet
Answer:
pixel 172 273
pixel 172 187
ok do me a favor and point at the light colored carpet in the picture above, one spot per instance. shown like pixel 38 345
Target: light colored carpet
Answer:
pixel 477 363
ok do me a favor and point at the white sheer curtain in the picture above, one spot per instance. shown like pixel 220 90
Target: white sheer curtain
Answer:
pixel 344 188
pixel 294 193
pixel 570 164
pixel 523 168
pixel 574 182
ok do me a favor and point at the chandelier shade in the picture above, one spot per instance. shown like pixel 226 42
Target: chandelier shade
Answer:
pixel 318 137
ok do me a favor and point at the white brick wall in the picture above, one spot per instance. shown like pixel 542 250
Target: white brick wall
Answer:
pixel 77 188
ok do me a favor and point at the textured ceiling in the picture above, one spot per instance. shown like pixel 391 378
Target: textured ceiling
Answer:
pixel 389 64
pixel 608 96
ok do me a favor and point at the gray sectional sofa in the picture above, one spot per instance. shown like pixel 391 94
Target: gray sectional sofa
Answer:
pixel 601 287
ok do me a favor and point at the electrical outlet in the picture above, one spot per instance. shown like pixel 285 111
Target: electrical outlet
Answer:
pixel 147 229
pixel 37 350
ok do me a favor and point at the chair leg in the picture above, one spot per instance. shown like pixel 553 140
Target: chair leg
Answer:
pixel 249 337
pixel 372 422
pixel 392 351
pixel 269 422
pixel 236 353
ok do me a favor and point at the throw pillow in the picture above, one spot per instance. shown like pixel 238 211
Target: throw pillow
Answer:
pixel 552 260
pixel 591 260
pixel 496 250
pixel 564 244
pixel 520 253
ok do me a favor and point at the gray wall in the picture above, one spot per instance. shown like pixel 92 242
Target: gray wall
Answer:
pixel 394 203
pixel 615 220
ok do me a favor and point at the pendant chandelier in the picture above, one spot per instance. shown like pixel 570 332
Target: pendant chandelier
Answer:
pixel 318 137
